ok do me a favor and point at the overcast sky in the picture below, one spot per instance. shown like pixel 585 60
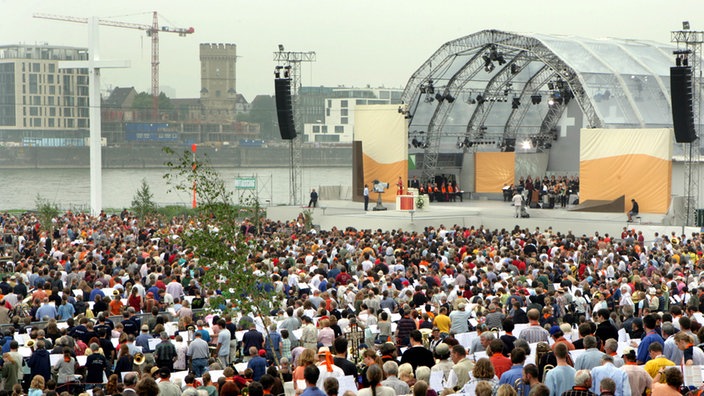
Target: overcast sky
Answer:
pixel 358 42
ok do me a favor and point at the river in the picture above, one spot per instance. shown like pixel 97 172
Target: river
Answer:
pixel 70 188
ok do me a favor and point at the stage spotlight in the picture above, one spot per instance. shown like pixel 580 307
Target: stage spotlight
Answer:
pixel 277 71
pixel 551 85
pixel 567 95
pixel 287 71
pixel 514 68
pixel 685 25
pixel 281 47
pixel 536 99
pixel 487 60
pixel 489 68
pixel 471 101
pixel 467 143
pixel 459 143
pixel 547 146
pixel 426 144
pixel 422 89
pixel 439 97
pixel 501 59
pixel 449 98
pixel 515 103
pixel 525 145
pixel 480 99
pixel 430 88
pixel 415 143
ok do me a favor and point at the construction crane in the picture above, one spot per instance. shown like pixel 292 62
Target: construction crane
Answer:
pixel 152 31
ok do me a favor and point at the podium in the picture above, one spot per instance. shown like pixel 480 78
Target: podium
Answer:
pixel 405 202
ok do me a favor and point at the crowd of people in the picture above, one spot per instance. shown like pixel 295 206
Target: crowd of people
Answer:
pixel 548 192
pixel 112 304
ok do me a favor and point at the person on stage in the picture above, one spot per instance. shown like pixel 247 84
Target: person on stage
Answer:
pixel 633 211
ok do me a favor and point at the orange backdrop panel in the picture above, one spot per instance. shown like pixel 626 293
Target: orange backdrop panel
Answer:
pixel 645 178
pixel 386 173
pixel 493 170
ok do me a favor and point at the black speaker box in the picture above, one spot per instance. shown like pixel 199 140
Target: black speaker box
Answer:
pixel 682 111
pixel 284 108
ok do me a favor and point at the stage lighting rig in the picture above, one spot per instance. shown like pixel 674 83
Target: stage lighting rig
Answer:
pixel 497 56
pixel 536 99
pixel 515 103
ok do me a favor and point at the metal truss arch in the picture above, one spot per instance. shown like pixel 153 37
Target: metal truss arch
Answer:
pixel 493 89
pixel 444 53
pixel 442 111
pixel 532 86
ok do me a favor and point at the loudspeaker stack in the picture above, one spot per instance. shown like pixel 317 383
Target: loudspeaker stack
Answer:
pixel 284 108
pixel 682 110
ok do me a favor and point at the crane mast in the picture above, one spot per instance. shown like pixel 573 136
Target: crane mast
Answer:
pixel 151 30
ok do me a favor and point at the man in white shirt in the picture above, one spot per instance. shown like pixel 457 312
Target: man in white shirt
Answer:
pixel 517 202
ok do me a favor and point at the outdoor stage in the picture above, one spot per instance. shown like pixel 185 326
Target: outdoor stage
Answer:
pixel 493 214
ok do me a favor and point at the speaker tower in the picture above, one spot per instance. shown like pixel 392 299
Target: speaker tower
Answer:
pixel 682 110
pixel 284 108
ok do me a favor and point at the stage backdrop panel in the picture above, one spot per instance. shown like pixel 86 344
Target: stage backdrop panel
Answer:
pixel 493 170
pixel 636 163
pixel 383 132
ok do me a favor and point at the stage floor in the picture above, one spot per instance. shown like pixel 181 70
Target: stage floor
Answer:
pixel 493 214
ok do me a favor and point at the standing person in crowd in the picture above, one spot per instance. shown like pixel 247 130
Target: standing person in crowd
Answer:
pixel 313 199
pixel 517 201
pixel 165 352
pixel 198 353
pixel 365 194
pixel 9 372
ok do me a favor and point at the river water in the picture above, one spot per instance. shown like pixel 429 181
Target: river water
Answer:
pixel 70 188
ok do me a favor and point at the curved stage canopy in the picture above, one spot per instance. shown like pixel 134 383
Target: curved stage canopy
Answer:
pixel 492 90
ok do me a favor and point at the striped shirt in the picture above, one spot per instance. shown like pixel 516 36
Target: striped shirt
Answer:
pixel 578 391
pixel 534 334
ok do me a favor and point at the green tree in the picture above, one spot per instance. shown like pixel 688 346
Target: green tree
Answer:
pixel 143 201
pixel 263 112
pixel 215 236
pixel 143 100
pixel 46 212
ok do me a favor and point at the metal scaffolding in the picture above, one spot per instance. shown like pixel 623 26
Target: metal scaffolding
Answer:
pixel 294 60
pixel 692 41
pixel 518 50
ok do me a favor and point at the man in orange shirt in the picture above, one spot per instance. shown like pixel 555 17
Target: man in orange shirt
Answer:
pixel 116 304
pixel 501 363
